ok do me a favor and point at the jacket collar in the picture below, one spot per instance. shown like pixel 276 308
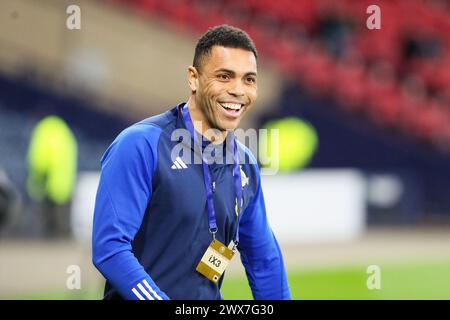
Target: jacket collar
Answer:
pixel 205 142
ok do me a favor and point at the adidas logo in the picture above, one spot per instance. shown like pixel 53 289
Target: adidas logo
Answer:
pixel 178 164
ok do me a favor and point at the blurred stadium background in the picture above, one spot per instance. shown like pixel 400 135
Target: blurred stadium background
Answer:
pixel 364 120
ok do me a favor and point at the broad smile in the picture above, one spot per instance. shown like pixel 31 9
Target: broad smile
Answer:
pixel 232 109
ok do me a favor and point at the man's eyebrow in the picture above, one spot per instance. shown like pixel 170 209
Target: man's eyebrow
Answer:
pixel 250 73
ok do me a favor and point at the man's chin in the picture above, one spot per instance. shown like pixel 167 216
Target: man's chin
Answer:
pixel 228 125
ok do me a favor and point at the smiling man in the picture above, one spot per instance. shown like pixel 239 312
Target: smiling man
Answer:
pixel 165 227
pixel 222 81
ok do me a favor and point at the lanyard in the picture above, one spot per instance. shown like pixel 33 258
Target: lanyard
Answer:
pixel 207 178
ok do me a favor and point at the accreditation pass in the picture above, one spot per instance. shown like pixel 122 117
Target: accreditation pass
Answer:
pixel 215 261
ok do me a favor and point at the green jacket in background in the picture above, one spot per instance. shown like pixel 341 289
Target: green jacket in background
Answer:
pixel 52 161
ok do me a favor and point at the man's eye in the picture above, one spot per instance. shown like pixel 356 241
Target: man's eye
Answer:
pixel 224 77
pixel 251 80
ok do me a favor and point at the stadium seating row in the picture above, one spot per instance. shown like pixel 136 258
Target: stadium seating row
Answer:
pixel 398 76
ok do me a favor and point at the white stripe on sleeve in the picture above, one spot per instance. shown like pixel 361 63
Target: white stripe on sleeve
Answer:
pixel 151 290
pixel 149 297
pixel 137 294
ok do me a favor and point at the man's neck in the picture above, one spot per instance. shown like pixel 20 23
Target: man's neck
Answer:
pixel 202 126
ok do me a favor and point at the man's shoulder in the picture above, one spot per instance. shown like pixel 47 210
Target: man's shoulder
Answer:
pixel 139 132
pixel 162 120
pixel 150 128
pixel 142 135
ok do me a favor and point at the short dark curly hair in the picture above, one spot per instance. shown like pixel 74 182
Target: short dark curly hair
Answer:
pixel 222 35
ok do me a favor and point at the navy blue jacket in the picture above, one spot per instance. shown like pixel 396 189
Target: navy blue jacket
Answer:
pixel 151 226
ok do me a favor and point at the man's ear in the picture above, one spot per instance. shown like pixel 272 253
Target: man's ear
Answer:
pixel 193 78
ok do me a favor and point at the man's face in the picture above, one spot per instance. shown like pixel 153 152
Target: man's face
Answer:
pixel 226 86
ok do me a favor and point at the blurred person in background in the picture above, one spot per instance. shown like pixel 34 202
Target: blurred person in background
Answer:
pixel 156 218
pixel 10 203
pixel 52 167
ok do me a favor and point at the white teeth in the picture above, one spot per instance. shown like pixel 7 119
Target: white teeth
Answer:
pixel 234 106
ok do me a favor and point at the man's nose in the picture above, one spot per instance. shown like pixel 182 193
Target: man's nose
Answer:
pixel 236 88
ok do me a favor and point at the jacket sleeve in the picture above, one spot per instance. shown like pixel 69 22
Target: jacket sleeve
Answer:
pixel 123 194
pixel 260 252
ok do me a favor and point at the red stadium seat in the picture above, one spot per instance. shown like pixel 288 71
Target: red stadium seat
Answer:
pixel 285 31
